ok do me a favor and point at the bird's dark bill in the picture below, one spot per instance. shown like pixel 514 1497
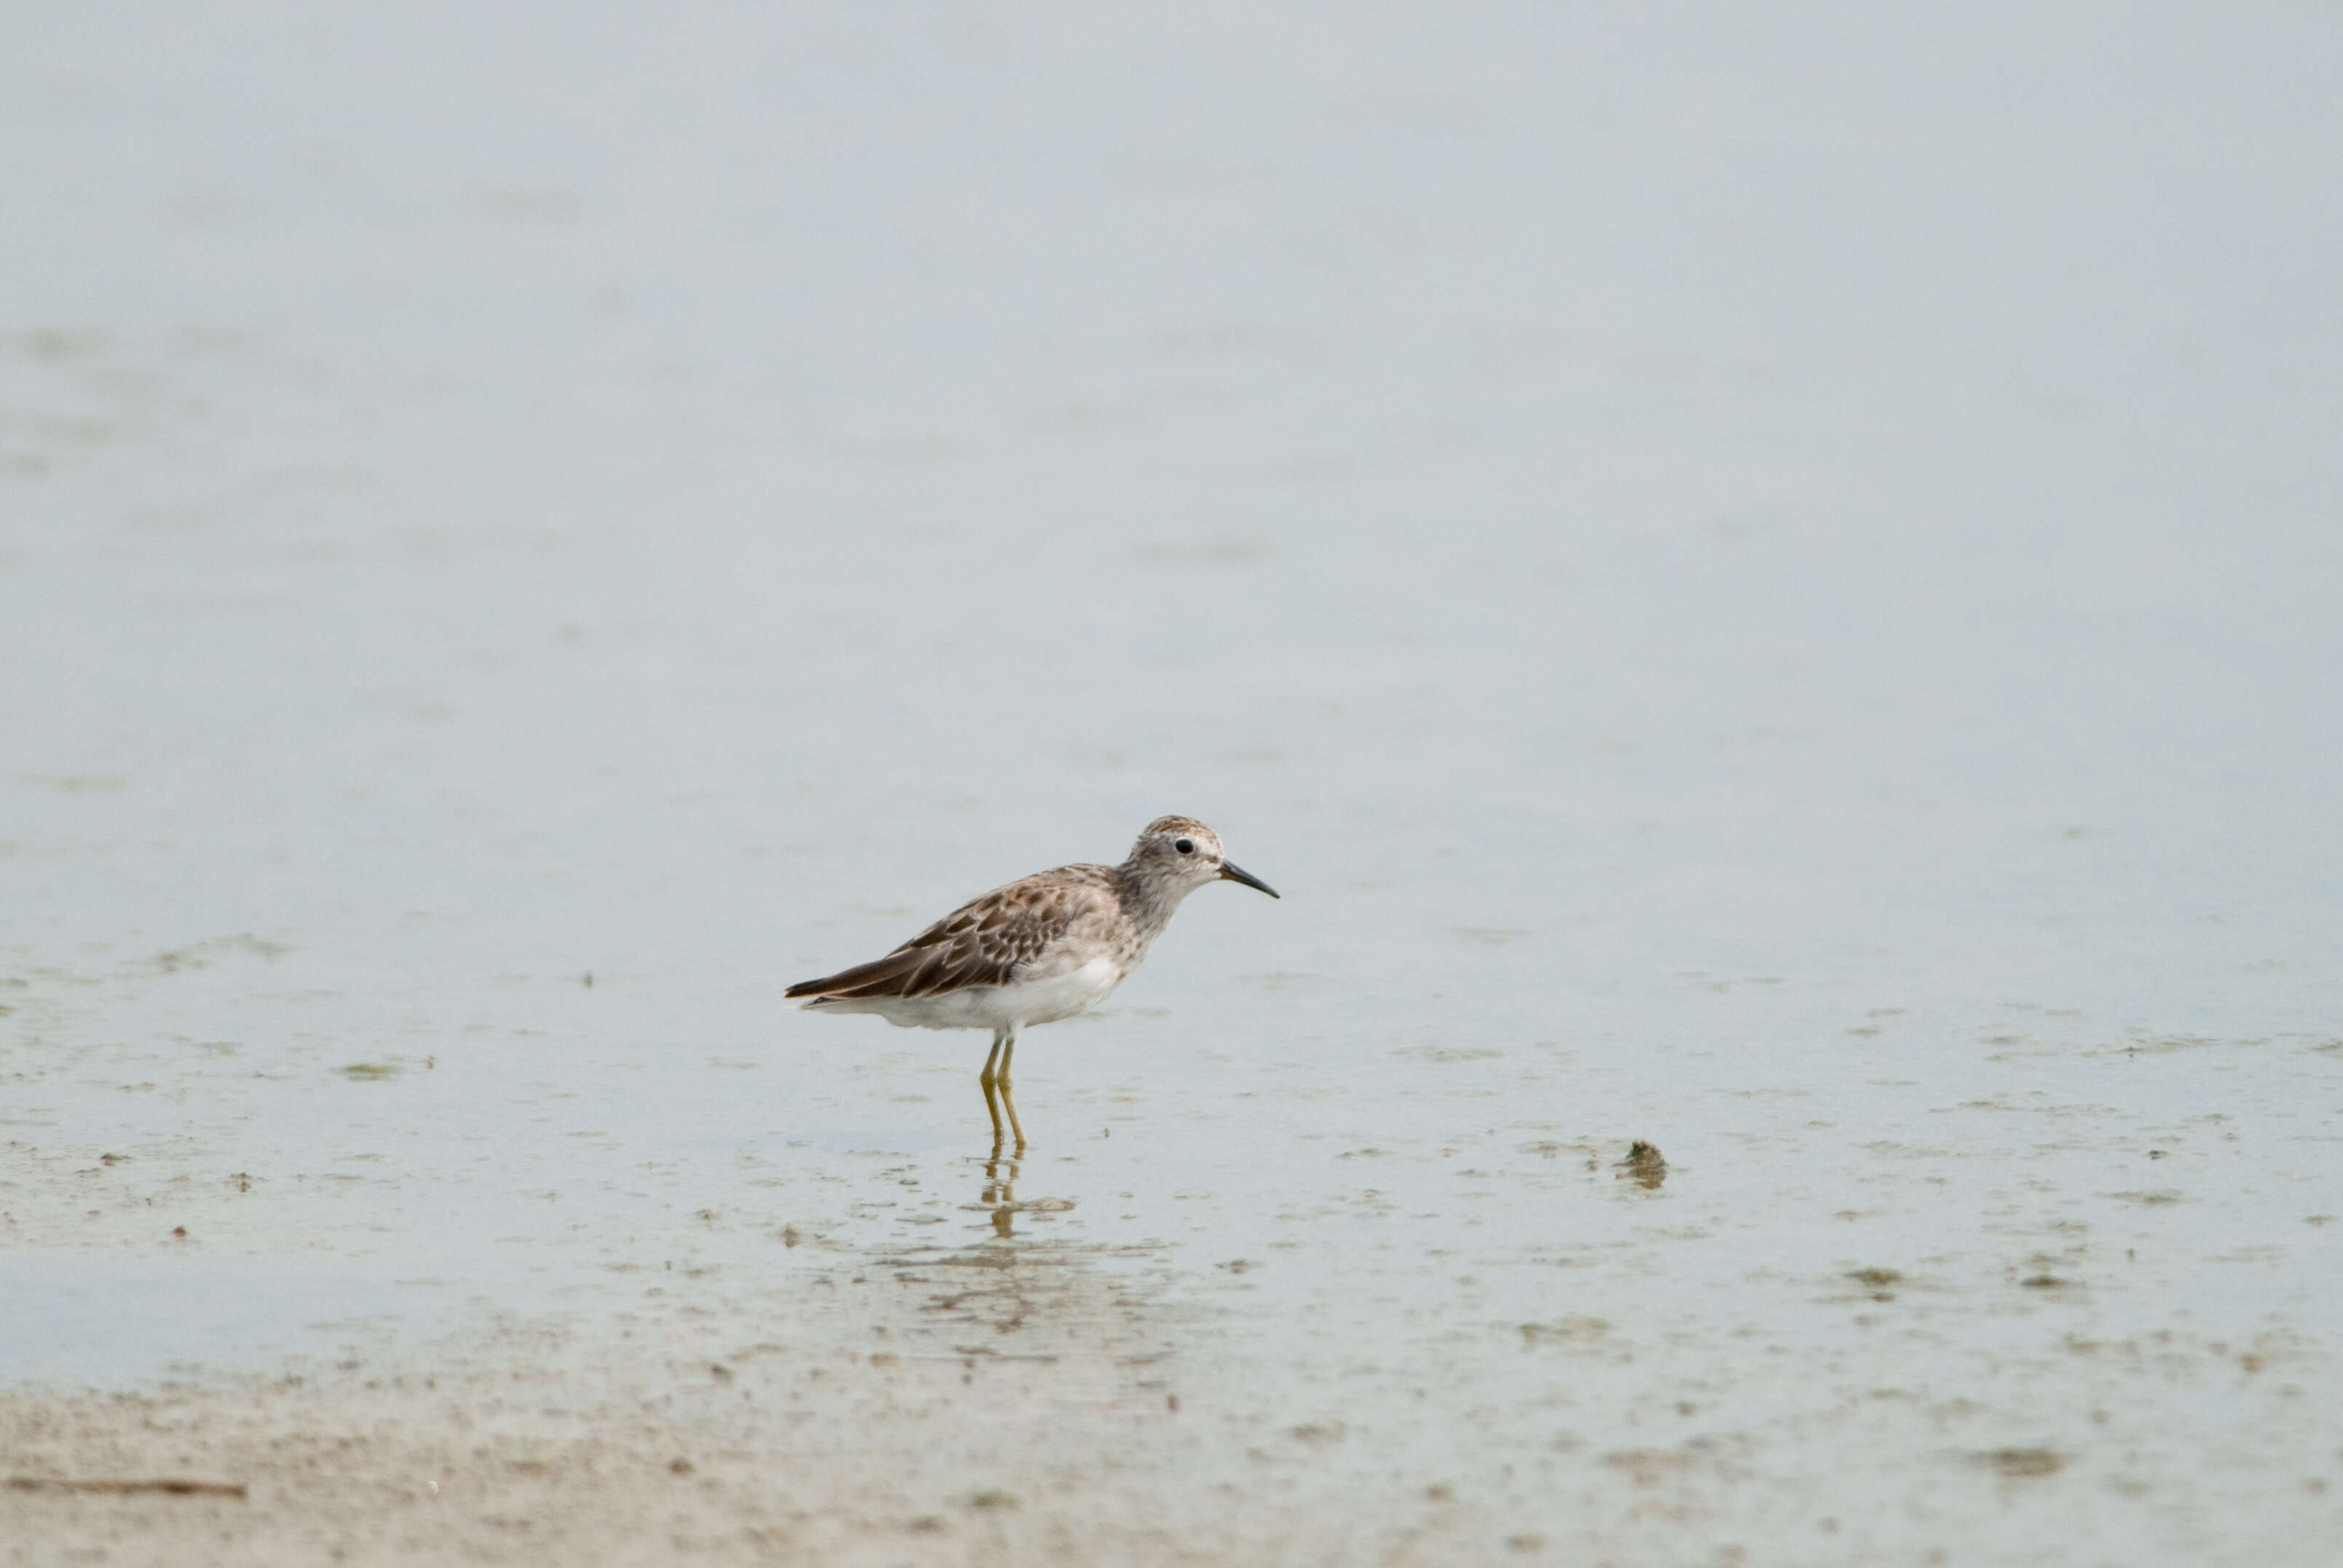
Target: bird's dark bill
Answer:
pixel 1229 873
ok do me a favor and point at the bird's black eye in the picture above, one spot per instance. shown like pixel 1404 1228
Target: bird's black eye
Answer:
pixel 1185 846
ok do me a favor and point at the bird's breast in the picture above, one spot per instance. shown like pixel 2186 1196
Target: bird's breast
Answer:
pixel 1065 991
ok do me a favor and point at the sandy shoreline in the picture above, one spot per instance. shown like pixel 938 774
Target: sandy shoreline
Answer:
pixel 676 1441
pixel 988 1405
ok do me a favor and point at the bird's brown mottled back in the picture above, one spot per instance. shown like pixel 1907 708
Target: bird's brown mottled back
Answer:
pixel 992 940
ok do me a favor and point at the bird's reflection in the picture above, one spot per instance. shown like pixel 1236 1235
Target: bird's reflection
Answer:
pixel 1004 1277
pixel 1010 1274
pixel 999 1193
pixel 998 1197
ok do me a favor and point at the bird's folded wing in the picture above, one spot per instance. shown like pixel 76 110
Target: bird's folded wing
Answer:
pixel 985 942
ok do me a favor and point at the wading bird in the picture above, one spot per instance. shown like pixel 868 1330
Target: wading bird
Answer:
pixel 1044 948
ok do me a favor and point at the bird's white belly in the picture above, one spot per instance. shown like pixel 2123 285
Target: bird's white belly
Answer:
pixel 1044 999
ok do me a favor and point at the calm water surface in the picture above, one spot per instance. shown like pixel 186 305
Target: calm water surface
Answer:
pixel 1764 589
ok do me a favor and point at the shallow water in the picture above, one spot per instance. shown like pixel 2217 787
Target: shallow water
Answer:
pixel 1762 589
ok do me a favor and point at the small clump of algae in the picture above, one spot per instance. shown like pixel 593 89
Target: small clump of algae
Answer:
pixel 1644 1166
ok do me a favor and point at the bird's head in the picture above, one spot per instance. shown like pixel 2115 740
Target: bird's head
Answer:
pixel 1183 853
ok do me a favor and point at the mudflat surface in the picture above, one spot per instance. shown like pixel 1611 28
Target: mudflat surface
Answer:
pixel 1763 588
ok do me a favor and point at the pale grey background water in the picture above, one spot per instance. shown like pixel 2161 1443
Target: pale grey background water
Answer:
pixel 1766 584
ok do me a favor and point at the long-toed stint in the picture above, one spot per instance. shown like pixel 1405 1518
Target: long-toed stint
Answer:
pixel 1044 948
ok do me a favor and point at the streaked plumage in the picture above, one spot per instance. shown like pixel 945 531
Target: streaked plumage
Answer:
pixel 1044 948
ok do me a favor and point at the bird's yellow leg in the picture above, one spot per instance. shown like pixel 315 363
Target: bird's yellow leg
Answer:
pixel 986 1080
pixel 1009 1050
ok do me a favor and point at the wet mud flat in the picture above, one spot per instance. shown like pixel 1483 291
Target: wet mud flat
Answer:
pixel 524 1450
pixel 529 1447
pixel 681 1442
pixel 957 1359
pixel 995 1401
